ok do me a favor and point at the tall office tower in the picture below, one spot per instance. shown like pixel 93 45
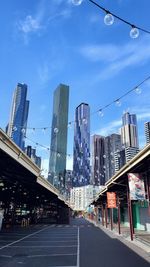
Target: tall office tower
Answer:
pixel 19 115
pixel 81 150
pixel 98 160
pixel 112 144
pixel 147 132
pixel 129 135
pixel 31 152
pixel 119 159
pixel 58 148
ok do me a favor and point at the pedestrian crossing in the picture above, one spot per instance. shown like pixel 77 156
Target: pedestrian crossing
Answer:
pixel 72 225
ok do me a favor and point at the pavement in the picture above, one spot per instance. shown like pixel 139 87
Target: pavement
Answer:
pixel 80 244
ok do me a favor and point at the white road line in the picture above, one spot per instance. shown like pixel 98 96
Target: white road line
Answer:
pixel 51 255
pixel 78 249
pixel 73 246
pixel 22 238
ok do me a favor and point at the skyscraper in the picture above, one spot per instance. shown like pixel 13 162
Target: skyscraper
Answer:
pixel 129 135
pixel 58 148
pixel 147 132
pixel 19 115
pixel 112 145
pixel 81 150
pixel 98 160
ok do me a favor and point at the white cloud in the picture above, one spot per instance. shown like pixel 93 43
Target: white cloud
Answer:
pixel 110 128
pixel 117 57
pixel 30 24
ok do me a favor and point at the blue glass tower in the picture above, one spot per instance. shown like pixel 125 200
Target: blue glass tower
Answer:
pixel 19 115
pixel 57 162
pixel 81 153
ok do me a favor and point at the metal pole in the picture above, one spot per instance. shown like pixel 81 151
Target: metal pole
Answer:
pixel 106 215
pixel 130 215
pixel 111 218
pixel 119 229
pixel 102 215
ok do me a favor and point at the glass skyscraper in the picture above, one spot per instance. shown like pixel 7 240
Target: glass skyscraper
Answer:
pixel 81 153
pixel 129 135
pixel 98 160
pixel 58 148
pixel 19 115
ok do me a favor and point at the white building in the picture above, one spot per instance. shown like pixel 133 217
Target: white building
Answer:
pixel 81 197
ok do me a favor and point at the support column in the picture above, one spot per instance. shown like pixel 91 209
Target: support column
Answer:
pixel 119 229
pixel 130 215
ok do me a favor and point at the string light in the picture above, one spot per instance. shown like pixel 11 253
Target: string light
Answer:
pixel 109 19
pixel 77 2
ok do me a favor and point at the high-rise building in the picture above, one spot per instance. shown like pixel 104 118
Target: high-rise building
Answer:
pixel 81 150
pixel 147 132
pixel 112 144
pixel 31 152
pixel 98 160
pixel 19 115
pixel 119 159
pixel 58 148
pixel 129 135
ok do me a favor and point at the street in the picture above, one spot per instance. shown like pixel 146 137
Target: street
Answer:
pixel 79 244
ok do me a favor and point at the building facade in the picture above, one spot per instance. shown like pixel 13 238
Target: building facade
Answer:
pixel 98 160
pixel 129 135
pixel 147 132
pixel 112 145
pixel 58 147
pixel 81 149
pixel 18 117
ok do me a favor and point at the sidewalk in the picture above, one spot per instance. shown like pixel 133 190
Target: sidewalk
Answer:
pixel 140 244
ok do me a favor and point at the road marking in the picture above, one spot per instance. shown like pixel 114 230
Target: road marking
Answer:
pixel 6 256
pixel 78 249
pixel 52 255
pixel 8 245
pixel 73 246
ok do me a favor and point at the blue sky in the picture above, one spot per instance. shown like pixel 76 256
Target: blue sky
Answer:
pixel 47 42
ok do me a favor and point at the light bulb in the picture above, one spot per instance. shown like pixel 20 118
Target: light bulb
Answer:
pixel 78 159
pixel 97 158
pixel 101 114
pixel 84 121
pixel 77 2
pixel 56 130
pixel 138 90
pixel 104 156
pixel 69 125
pixel 109 19
pixel 134 33
pixel 118 103
pixel 58 155
pixel 14 128
pixel 23 130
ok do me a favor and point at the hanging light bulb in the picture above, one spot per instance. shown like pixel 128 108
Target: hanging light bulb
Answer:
pixel 134 33
pixel 69 125
pixel 84 120
pixel 78 159
pixel 138 90
pixel 77 2
pixel 101 114
pixel 23 130
pixel 44 130
pixel 104 156
pixel 108 19
pixel 58 155
pixel 56 130
pixel 118 102
pixel 33 130
pixel 14 128
pixel 97 158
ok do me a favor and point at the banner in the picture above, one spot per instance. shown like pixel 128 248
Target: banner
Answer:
pixel 136 186
pixel 111 200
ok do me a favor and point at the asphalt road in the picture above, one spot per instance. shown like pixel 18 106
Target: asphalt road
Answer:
pixel 79 244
